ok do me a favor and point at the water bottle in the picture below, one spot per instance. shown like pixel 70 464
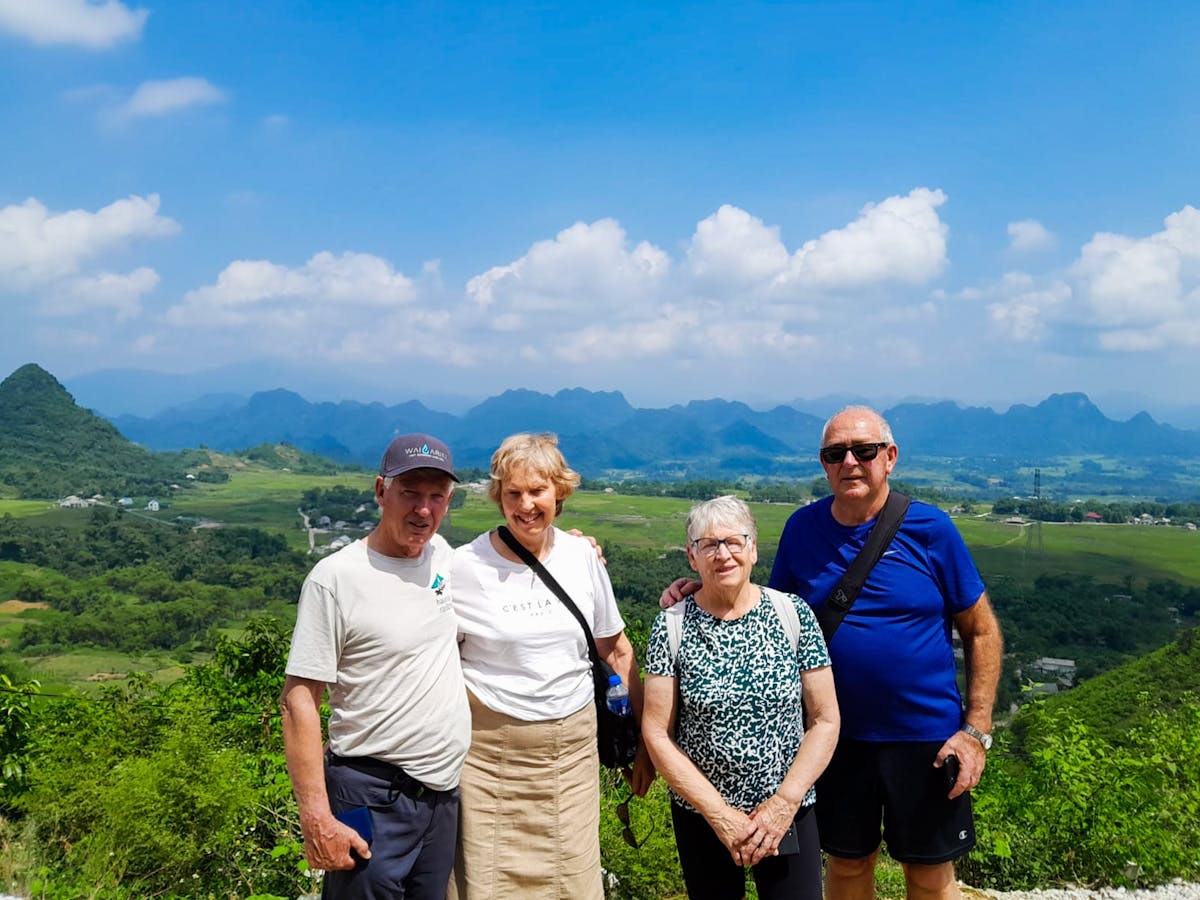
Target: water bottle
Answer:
pixel 617 696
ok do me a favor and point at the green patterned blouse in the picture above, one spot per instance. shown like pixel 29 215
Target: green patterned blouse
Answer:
pixel 739 717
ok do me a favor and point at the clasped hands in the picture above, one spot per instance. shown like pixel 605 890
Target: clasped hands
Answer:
pixel 751 838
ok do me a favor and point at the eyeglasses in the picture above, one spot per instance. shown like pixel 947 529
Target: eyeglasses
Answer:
pixel 627 834
pixel 736 544
pixel 862 452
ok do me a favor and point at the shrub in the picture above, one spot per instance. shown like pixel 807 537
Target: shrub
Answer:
pixel 1075 808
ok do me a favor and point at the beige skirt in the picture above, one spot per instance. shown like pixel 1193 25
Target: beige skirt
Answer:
pixel 529 825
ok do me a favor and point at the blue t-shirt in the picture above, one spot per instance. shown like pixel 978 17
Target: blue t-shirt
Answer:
pixel 893 656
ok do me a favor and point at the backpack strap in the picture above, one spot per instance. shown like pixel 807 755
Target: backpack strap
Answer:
pixel 846 591
pixel 785 608
pixel 674 620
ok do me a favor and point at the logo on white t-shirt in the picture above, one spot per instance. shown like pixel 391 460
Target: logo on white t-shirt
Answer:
pixel 438 587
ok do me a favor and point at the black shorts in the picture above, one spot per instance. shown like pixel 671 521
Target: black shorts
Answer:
pixel 896 783
pixel 710 873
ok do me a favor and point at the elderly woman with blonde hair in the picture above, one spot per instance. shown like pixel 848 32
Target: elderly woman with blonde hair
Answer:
pixel 530 814
pixel 726 671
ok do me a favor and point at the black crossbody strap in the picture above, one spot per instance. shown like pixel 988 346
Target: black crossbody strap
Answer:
pixel 536 564
pixel 887 523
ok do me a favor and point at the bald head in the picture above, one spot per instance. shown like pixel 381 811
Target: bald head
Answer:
pixel 858 455
pixel 858 417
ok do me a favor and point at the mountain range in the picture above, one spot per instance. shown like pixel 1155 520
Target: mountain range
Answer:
pixel 603 436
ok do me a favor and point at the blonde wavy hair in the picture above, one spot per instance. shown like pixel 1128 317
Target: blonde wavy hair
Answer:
pixel 535 453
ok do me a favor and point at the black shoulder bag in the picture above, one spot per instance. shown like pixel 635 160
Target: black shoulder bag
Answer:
pixel 616 736
pixel 830 615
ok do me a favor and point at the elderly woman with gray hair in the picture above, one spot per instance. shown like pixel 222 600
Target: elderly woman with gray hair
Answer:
pixel 723 721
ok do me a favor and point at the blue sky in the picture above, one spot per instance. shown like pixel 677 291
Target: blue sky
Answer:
pixel 762 201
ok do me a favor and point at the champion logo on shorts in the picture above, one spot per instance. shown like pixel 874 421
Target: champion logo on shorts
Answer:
pixel 962 835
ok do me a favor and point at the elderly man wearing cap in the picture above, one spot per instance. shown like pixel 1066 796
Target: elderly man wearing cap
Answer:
pixel 376 628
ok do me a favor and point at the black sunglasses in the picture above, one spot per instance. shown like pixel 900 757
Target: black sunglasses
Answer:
pixel 862 452
pixel 627 834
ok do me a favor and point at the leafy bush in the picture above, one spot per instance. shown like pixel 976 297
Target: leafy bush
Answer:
pixel 651 870
pixel 168 792
pixel 1076 808
pixel 16 714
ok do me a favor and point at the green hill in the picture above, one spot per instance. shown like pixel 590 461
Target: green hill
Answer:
pixel 1126 698
pixel 50 447
pixel 289 458
pixel 1097 785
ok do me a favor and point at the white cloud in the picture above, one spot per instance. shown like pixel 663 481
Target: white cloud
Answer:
pixel 160 98
pixel 901 239
pixel 106 290
pixel 732 247
pixel 249 291
pixel 80 23
pixel 38 247
pixel 606 342
pixel 418 331
pixel 1140 288
pixel 900 314
pixel 1134 340
pixel 1030 235
pixel 1025 311
pixel 1130 281
pixel 734 302
pixel 584 268
pixel 590 296
pixel 1128 294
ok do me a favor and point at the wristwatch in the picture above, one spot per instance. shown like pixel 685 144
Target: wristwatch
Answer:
pixel 985 739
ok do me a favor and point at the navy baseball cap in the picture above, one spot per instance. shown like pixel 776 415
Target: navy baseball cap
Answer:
pixel 416 451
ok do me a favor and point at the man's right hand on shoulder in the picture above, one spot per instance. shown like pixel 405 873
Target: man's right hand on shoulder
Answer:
pixel 677 590
pixel 327 845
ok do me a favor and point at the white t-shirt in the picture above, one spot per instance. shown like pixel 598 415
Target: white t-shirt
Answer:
pixel 523 653
pixel 380 631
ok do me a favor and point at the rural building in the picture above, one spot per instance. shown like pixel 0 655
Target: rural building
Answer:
pixel 1061 670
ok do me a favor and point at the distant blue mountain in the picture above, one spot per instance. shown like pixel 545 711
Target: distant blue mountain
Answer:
pixel 346 432
pixel 604 436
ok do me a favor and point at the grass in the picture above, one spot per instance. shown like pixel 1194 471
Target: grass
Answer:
pixel 631 521
pixel 91 668
pixel 22 509
pixel 256 497
pixel 647 522
pixel 1108 552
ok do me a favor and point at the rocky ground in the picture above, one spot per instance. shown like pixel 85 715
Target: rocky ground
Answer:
pixel 1175 890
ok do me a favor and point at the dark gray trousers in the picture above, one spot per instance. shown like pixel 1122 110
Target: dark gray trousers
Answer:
pixel 414 831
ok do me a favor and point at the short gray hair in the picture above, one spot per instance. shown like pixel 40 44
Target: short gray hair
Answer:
pixel 885 430
pixel 728 510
